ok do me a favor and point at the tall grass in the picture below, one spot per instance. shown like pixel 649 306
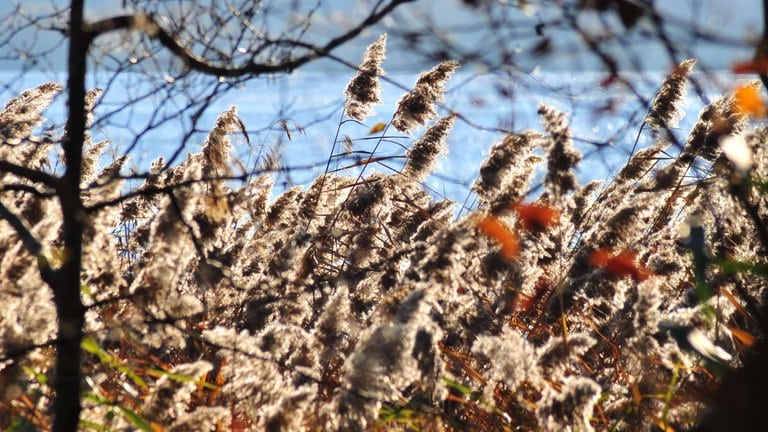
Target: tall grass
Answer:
pixel 361 302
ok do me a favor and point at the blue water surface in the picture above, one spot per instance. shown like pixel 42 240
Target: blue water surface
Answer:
pixel 605 120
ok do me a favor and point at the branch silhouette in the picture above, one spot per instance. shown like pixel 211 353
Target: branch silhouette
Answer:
pixel 148 24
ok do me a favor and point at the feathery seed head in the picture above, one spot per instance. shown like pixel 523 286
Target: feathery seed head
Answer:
pixel 364 90
pixel 667 107
pixel 418 105
pixel 421 157
pixel 562 157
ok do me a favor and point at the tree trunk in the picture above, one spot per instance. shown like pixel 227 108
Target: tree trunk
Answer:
pixel 66 281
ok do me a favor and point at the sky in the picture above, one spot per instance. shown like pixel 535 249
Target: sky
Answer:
pixel 739 20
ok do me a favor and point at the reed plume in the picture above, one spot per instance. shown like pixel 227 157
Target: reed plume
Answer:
pixel 363 302
pixel 416 107
pixel 422 156
pixel 667 108
pixel 364 90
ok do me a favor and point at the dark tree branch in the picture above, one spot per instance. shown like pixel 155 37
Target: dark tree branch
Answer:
pixel 765 21
pixel 30 242
pixel 14 354
pixel 148 25
pixel 66 284
pixel 154 190
pixel 16 187
pixel 761 53
pixel 30 174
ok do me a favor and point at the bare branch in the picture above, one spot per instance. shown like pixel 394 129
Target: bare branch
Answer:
pixel 30 242
pixel 149 25
pixel 761 52
pixel 33 175
pixel 18 187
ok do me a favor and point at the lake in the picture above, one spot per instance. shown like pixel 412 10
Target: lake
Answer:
pixel 605 121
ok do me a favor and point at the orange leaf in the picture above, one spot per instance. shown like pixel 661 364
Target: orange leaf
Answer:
pixel 637 398
pixel 759 66
pixel 620 265
pixel 727 294
pixel 747 102
pixel 536 217
pixel 378 127
pixel 743 336
pixel 500 233
pixel 600 257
